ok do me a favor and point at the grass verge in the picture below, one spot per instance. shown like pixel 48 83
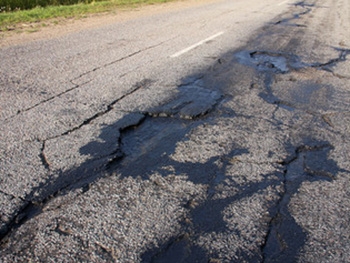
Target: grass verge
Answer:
pixel 12 20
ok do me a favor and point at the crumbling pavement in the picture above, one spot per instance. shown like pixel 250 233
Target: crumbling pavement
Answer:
pixel 244 161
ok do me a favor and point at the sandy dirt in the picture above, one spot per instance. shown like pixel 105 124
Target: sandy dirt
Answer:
pixel 54 28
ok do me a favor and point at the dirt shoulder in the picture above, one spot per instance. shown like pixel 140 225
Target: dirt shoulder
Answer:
pixel 62 26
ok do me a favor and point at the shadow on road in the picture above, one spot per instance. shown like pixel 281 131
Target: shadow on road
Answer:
pixel 146 147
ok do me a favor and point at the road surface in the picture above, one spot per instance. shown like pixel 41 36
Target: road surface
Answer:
pixel 212 132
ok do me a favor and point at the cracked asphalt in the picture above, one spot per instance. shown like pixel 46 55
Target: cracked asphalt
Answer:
pixel 113 149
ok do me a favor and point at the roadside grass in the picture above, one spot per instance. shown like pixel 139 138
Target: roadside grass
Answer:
pixel 13 20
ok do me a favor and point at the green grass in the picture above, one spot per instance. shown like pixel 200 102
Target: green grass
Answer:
pixel 8 5
pixel 11 20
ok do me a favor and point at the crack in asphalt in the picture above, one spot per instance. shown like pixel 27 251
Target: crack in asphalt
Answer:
pixel 303 4
pixel 76 85
pixel 44 101
pixel 281 63
pixel 309 160
pixel 121 59
pixel 55 186
pixel 142 84
pixel 109 107
pixel 286 21
pixel 26 211
pixel 11 195
pixel 43 157
pixel 119 154
pixel 271 63
pixel 204 217
pixel 43 193
pixel 279 244
pixel 333 62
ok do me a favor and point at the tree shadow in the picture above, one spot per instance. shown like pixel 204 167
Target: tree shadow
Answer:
pixel 140 145
pixel 285 237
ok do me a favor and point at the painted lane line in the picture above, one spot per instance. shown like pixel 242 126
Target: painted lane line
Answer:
pixel 177 54
pixel 282 3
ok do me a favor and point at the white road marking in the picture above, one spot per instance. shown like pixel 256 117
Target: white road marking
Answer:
pixel 282 3
pixel 177 54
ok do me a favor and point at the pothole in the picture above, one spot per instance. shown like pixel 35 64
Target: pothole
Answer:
pixel 265 60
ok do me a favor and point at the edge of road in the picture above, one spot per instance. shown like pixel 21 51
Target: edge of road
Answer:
pixel 34 32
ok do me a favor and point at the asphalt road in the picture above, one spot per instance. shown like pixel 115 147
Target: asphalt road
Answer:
pixel 212 133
